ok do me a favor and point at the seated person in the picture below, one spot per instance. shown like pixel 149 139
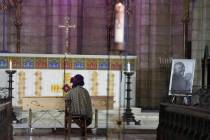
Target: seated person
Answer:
pixel 80 102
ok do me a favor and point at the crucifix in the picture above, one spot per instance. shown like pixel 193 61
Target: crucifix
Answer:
pixel 67 26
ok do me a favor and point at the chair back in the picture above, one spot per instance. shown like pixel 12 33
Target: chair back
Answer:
pixel 67 106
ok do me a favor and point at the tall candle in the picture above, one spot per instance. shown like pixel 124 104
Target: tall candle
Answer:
pixel 119 23
pixel 10 64
pixel 128 67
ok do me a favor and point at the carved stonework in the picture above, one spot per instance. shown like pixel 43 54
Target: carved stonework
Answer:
pixel 7 4
pixel 180 122
pixel 205 100
pixel 18 23
pixel 4 5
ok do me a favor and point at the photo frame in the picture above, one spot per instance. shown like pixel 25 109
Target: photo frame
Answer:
pixel 182 75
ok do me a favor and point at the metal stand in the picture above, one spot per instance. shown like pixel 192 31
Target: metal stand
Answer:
pixel 180 97
pixel 9 98
pixel 128 115
pixel 10 88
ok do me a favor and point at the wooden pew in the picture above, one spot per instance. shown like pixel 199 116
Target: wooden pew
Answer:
pixel 6 121
pixel 179 122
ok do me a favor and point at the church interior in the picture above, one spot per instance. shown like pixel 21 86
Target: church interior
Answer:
pixel 145 65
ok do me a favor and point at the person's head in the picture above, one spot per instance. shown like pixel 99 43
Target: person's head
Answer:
pixel 179 68
pixel 77 80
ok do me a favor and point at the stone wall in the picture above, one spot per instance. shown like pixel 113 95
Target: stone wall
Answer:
pixel 152 43
pixel 200 34
pixel 7 30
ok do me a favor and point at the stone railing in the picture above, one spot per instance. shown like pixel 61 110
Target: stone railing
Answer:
pixel 179 122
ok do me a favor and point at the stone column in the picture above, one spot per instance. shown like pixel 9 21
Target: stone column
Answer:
pixel 200 34
pixel 33 27
pixel 94 27
pixel 152 42
pixel 18 23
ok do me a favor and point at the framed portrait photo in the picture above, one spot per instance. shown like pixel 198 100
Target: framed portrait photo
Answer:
pixel 182 75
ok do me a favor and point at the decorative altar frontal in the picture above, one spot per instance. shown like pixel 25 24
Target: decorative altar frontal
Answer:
pixel 43 75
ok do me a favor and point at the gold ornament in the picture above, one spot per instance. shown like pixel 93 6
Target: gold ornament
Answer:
pixel 38 87
pixel 94 88
pixel 21 86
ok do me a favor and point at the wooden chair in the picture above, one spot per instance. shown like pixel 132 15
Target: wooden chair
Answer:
pixel 69 119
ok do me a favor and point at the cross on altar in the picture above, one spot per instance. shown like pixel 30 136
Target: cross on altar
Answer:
pixel 67 26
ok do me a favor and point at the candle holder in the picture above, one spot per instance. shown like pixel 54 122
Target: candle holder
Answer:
pixel 10 88
pixel 128 115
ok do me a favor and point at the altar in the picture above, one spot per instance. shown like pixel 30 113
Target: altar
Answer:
pixel 44 75
pixel 39 79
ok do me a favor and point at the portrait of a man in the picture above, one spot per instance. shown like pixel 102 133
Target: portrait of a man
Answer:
pixel 182 72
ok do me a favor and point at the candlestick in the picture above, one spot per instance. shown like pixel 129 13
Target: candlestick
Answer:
pixel 10 88
pixel 128 116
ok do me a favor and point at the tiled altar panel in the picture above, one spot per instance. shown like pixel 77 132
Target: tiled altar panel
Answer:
pixel 51 82
pixel 76 62
pixel 34 74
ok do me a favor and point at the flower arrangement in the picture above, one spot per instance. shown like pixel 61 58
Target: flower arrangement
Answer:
pixel 66 88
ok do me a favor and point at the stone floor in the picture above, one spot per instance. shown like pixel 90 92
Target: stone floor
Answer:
pixel 55 119
pixel 46 124
pixel 115 137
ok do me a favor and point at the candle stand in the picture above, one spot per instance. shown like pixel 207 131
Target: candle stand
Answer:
pixel 10 81
pixel 128 115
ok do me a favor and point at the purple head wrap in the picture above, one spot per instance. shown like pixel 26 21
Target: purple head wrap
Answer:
pixel 77 80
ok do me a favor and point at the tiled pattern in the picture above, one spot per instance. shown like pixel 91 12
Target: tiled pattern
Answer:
pixel 58 63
